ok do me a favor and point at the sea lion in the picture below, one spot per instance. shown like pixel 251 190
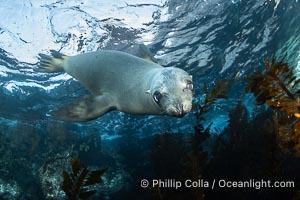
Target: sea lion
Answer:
pixel 120 81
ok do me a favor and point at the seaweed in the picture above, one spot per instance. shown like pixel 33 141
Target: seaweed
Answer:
pixel 183 156
pixel 249 148
pixel 278 87
pixel 76 183
pixel 219 91
pixel 180 157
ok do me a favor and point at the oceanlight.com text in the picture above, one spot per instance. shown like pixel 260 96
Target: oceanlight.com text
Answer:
pixel 220 183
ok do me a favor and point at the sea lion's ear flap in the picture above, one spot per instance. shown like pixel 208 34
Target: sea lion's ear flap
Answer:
pixel 191 76
pixel 148 92
pixel 145 53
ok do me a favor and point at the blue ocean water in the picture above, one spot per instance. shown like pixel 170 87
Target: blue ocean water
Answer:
pixel 209 39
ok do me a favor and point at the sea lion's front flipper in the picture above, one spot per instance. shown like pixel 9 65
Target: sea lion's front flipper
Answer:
pixel 85 109
pixel 145 53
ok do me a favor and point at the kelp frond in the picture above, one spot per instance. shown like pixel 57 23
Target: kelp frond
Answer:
pixel 278 87
pixel 219 91
pixel 296 137
pixel 76 183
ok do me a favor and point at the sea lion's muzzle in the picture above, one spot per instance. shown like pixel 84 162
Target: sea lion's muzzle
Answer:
pixel 181 110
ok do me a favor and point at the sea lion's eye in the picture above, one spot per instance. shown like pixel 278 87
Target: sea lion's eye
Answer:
pixel 157 96
pixel 190 86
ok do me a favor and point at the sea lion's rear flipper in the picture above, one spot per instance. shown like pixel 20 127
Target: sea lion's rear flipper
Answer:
pixel 85 109
pixel 52 63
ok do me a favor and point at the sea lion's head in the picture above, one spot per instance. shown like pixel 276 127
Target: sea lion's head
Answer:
pixel 172 90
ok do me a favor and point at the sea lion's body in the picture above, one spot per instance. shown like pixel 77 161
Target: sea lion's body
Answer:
pixel 120 74
pixel 116 80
